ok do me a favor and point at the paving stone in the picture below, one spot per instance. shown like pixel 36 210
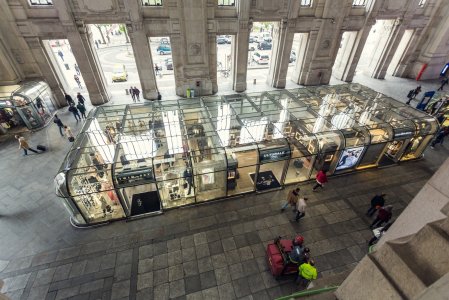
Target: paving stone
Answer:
pixel 202 251
pixel 269 280
pixel 226 291
pixel 145 294
pixel 38 292
pixel 44 258
pixel 240 241
pixel 160 248
pixel 261 295
pixel 219 261
pixel 175 273
pixel 144 281
pixel 192 284
pixel 67 292
pixel 18 264
pixel 187 242
pixel 174 258
pixel 188 254
pixel 173 245
pixel 250 267
pixel 121 289
pixel 205 264
pixel 160 262
pixel 91 286
pixel 225 232
pixel 252 238
pixel 124 257
pixel 215 247
pixel 195 296
pixel 68 253
pixel 241 287
pixel 160 276
pixel 228 244
pixel 77 269
pixel 211 293
pixel 208 280
pixel 145 265
pixel 108 261
pixel 15 283
pixel 236 271
pixel 258 250
pixel 177 288
pixel 245 253
pixel 200 238
pixel 122 272
pixel 222 275
pixel 190 268
pixel 62 272
pixel 13 295
pixel 256 283
pixel 44 277
pixel 232 257
pixel 161 291
pixel 212 235
pixel 146 251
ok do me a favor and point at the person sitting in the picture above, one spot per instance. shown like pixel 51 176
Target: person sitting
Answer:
pixel 306 273
pixel 295 255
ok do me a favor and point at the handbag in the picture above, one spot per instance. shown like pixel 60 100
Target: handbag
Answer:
pixel 71 139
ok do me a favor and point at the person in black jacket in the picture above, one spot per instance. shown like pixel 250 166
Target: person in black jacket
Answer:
pixel 376 202
pixel 75 113
pixel 58 122
pixel 69 99
pixel 80 98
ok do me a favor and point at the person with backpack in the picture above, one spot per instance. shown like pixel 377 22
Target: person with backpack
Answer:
pixel 82 109
pixel 75 113
pixel 377 202
pixel 58 122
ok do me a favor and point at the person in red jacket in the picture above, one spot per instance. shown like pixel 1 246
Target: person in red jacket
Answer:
pixel 383 215
pixel 321 179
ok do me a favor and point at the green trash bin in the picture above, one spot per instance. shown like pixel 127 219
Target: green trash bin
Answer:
pixel 188 93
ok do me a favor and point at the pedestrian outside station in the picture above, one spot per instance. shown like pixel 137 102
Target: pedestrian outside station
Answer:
pixel 135 160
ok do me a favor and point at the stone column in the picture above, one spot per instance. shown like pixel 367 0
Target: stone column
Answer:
pixel 46 68
pixel 303 75
pixel 212 38
pixel 241 56
pixel 394 38
pixel 144 60
pixel 280 55
pixel 89 65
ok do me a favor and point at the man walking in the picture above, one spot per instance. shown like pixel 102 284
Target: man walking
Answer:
pixel 82 109
pixel 306 273
pixel 132 93
pixel 301 208
pixel 439 139
pixel 80 98
pixel 137 93
pixel 377 202
pixel 77 79
pixel 69 99
pixel 75 113
pixel 23 144
pixel 443 83
pixel 58 122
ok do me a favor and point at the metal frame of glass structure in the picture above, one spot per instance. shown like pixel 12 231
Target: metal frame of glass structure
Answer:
pixel 140 159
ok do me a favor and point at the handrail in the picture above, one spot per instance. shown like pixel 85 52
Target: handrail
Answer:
pixel 309 292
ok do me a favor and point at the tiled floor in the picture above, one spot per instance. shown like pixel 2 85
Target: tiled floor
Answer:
pixel 212 251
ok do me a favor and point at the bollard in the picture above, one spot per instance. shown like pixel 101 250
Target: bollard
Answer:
pixel 127 91
pixel 254 82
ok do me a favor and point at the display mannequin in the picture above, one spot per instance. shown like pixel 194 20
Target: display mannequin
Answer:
pixel 188 178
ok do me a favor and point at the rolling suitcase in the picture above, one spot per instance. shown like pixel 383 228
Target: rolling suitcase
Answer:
pixel 41 148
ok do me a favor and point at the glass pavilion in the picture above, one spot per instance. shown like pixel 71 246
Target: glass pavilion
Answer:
pixel 135 160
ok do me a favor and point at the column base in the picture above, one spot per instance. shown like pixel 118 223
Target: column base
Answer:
pixel 240 87
pixel 150 95
pixel 98 99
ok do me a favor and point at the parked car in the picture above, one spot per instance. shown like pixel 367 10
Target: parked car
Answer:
pixel 119 73
pixel 251 48
pixel 268 39
pixel 264 46
pixel 164 41
pixel 260 59
pixel 292 57
pixel 164 49
pixel 169 64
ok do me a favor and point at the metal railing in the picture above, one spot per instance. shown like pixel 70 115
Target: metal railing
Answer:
pixel 309 293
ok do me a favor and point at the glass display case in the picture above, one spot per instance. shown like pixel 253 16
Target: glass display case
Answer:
pixel 29 105
pixel 135 160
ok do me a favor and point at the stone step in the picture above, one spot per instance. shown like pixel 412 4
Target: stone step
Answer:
pixel 426 252
pixel 367 282
pixel 397 271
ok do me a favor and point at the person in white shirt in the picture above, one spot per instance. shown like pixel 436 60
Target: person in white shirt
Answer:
pixel 301 208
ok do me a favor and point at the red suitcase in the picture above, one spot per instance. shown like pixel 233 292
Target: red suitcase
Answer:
pixel 277 261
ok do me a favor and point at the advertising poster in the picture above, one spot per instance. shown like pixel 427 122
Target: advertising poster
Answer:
pixel 349 158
